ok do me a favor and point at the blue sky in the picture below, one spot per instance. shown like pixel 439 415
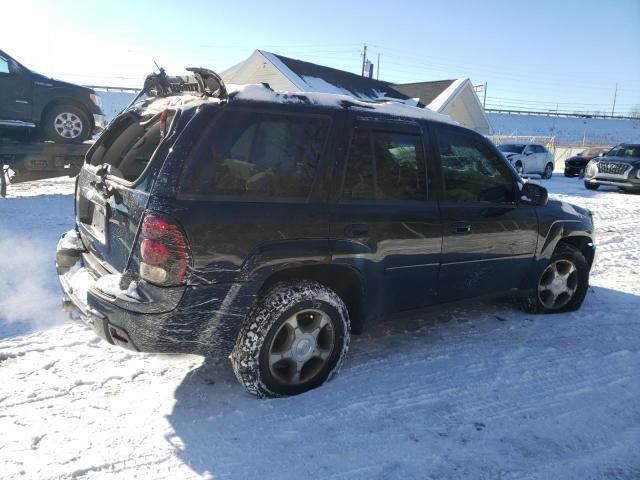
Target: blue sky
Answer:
pixel 531 54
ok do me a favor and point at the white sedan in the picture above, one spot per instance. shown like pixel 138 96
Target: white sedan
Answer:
pixel 529 158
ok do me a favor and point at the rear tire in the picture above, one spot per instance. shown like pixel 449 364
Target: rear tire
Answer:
pixel 66 124
pixel 563 284
pixel 591 186
pixel 294 339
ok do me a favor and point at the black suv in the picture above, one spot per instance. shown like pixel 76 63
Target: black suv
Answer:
pixel 63 112
pixel 619 167
pixel 271 226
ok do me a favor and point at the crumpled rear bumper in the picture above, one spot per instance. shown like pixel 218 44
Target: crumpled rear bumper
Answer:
pixel 76 280
pixel 186 319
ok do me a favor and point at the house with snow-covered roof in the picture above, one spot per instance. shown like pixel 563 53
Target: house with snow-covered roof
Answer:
pixel 455 98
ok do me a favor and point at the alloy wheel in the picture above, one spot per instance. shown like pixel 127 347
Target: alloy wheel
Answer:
pixel 548 171
pixel 558 284
pixel 68 125
pixel 301 347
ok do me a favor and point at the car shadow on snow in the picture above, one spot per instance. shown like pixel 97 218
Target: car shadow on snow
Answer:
pixel 402 403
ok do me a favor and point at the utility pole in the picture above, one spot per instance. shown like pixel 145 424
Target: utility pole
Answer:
pixel 364 58
pixel 484 100
pixel 615 94
pixel 378 68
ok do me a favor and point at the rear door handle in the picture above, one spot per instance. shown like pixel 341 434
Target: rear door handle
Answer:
pixel 356 230
pixel 460 228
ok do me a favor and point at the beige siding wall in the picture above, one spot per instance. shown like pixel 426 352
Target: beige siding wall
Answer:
pixel 466 110
pixel 257 70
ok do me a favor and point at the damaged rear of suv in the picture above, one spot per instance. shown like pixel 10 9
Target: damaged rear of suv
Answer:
pixel 270 226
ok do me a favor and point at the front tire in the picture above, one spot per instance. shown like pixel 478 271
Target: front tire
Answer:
pixel 66 124
pixel 293 340
pixel 563 284
pixel 591 186
pixel 548 171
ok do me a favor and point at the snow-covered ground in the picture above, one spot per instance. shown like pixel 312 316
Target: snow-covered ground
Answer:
pixel 477 392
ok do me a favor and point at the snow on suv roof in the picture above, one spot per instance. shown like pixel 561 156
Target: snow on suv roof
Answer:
pixel 389 106
pixel 263 93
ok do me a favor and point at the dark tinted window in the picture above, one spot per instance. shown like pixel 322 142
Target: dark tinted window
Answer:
pixel 539 149
pixel 256 154
pixel 472 171
pixel 385 166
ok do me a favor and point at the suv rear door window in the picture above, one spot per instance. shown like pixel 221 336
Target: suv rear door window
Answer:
pixel 256 154
pixel 385 165
pixel 472 171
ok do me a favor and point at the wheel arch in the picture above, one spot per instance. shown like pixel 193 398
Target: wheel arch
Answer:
pixel 342 279
pixel 569 232
pixel 581 242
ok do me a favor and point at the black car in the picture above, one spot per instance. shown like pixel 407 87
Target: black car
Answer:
pixel 61 111
pixel 271 226
pixel 574 166
pixel 620 167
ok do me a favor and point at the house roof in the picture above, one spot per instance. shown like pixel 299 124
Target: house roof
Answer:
pixel 313 77
pixel 425 91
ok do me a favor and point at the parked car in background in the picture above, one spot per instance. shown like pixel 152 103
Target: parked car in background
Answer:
pixel 619 167
pixel 271 226
pixel 529 158
pixel 574 166
pixel 61 111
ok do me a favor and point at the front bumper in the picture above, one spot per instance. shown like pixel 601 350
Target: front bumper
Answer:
pixel 573 170
pixel 629 184
pixel 188 319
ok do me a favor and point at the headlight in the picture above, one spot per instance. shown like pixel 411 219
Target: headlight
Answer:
pixel 96 99
pixel 592 169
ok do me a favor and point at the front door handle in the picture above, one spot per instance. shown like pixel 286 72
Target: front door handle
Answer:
pixel 460 228
pixel 356 230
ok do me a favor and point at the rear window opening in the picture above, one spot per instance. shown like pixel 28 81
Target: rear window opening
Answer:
pixel 130 142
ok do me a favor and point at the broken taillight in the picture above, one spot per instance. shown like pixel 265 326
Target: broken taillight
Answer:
pixel 164 251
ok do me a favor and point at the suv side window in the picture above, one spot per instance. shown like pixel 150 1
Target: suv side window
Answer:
pixel 472 172
pixel 385 165
pixel 256 154
pixel 4 65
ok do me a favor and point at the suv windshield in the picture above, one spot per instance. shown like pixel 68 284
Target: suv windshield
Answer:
pixel 511 147
pixel 625 151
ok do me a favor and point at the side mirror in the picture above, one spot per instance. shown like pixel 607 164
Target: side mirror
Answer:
pixel 535 194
